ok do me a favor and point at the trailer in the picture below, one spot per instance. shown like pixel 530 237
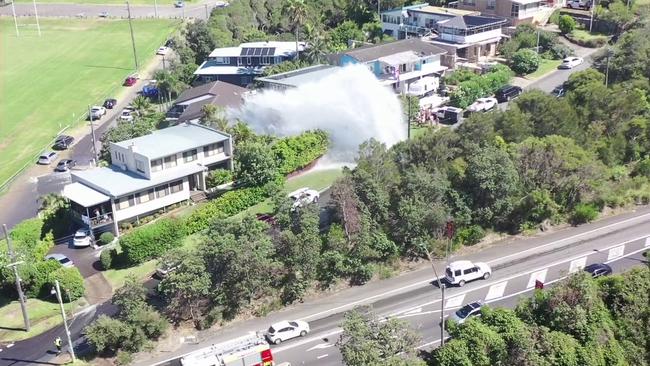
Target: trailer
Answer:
pixel 250 350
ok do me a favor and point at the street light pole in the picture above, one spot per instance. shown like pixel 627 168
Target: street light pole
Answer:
pixel 14 264
pixel 92 131
pixel 57 289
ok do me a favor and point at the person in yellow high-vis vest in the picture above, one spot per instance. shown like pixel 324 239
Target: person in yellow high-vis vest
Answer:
pixel 57 343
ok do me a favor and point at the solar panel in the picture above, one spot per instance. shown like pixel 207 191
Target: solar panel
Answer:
pixel 270 51
pixel 243 51
pixel 258 51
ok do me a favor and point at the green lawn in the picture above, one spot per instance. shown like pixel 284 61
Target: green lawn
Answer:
pixel 43 315
pixel 545 66
pixel 47 82
pixel 120 2
pixel 117 277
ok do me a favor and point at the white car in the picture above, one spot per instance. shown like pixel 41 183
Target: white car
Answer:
pixel 570 62
pixel 162 51
pixel 578 4
pixel 467 311
pixel 304 196
pixel 483 104
pixel 126 115
pixel 285 330
pixel 65 261
pixel 460 272
pixel 96 112
pixel 81 239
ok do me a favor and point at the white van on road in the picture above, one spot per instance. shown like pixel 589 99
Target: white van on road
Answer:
pixel 460 272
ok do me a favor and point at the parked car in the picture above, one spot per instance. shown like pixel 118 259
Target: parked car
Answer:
pixel 47 158
pixel 482 105
pixel 578 4
pixel 467 311
pixel 110 103
pixel 165 269
pixel 508 92
pixel 285 330
pixel 96 112
pixel 126 115
pixel 81 238
pixel 65 164
pixel 65 261
pixel 63 142
pixel 598 269
pixel 570 62
pixel 179 4
pixel 103 14
pixel 448 115
pixel 162 51
pixel 558 92
pixel 130 80
pixel 460 272
pixel 304 196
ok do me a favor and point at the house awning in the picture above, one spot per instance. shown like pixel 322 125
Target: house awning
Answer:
pixel 400 58
pixel 84 195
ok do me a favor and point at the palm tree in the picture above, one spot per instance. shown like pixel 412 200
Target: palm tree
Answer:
pixel 142 105
pixel 51 203
pixel 168 83
pixel 214 117
pixel 317 49
pixel 296 10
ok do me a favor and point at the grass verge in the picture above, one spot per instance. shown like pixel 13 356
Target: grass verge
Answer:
pixel 117 277
pixel 584 38
pixel 545 66
pixel 43 315
pixel 47 82
pixel 161 3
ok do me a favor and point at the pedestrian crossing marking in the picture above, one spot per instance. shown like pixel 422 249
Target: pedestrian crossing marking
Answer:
pixel 496 290
pixel 537 276
pixel 455 301
pixel 577 264
pixel 616 252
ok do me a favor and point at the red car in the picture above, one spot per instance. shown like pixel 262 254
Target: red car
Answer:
pixel 130 81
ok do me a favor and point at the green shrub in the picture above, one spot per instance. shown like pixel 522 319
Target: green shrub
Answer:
pixel 560 51
pixel 218 177
pixel 106 259
pixel 35 277
pixel 525 61
pixel 566 24
pixel 123 358
pixel 643 168
pixel 470 235
pixel 480 86
pixel 295 152
pixel 70 281
pixel 583 213
pixel 555 17
pixel 151 241
pixel 106 238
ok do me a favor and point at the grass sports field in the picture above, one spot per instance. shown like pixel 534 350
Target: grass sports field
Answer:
pixel 46 82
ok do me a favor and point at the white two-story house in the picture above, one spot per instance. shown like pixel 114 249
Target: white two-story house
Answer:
pixel 147 175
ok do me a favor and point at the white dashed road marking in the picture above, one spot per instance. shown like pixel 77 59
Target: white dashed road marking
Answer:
pixel 577 264
pixel 616 252
pixel 454 301
pixel 321 346
pixel 322 356
pixel 537 276
pixel 496 290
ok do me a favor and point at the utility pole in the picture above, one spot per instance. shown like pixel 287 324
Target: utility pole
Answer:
pixel 57 289
pixel 609 54
pixel 135 55
pixel 92 131
pixel 537 48
pixel 155 8
pixel 442 316
pixel 38 25
pixel 207 16
pixel 591 20
pixel 13 10
pixel 14 264
pixel 183 10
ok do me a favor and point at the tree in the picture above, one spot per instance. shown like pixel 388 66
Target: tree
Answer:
pixel 70 281
pixel 214 116
pixel 567 24
pixel 525 61
pixel 107 334
pixel 199 40
pixel 346 205
pixel 296 10
pixel 123 131
pixel 368 341
pixel 129 297
pixel 255 164
pixel 317 47
pixel 51 204
pixel 410 109
pixel 185 288
pixel 344 33
pixel 168 83
pixel 142 106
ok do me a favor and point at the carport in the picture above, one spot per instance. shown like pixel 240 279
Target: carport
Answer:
pixel 92 208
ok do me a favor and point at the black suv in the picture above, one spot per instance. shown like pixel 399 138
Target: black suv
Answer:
pixel 63 142
pixel 507 92
pixel 110 103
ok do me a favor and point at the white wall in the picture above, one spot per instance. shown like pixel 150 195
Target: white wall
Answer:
pixel 154 204
pixel 484 36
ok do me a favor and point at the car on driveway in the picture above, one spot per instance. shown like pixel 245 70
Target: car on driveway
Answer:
pixel 47 158
pixel 508 92
pixel 110 103
pixel 126 116
pixel 65 165
pixel 63 142
pixel 285 330
pixel 65 261
pixel 179 4
pixel 304 196
pixel 483 105
pixel 81 239
pixel 570 62
pixel 162 51
pixel 463 271
pixel 466 312
pixel 598 270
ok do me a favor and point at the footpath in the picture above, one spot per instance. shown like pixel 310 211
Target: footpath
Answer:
pixel 499 255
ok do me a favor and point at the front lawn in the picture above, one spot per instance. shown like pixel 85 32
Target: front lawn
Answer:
pixel 47 82
pixel 43 315
pixel 117 277
pixel 586 39
pixel 545 66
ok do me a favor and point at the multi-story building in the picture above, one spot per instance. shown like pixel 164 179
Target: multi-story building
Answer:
pixel 516 11
pixel 188 107
pixel 396 64
pixel 147 174
pixel 417 20
pixel 240 65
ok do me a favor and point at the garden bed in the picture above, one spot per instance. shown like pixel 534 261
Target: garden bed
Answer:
pixel 586 39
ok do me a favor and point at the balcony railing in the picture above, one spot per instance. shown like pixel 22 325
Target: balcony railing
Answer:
pixel 96 221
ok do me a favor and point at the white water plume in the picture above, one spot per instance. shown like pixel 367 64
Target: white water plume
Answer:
pixel 350 104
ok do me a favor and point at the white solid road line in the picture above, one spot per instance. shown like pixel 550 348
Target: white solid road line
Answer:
pixel 322 356
pixel 321 346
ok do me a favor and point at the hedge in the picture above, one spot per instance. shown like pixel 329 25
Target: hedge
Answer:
pixel 70 281
pixel 151 241
pixel 296 152
pixel 480 86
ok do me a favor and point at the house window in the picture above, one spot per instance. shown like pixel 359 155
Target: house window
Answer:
pixel 222 60
pixel 139 166
pixel 189 156
pixel 125 202
pixel 170 162
pixel 212 149
pixel 156 165
pixel 162 191
pixel 514 12
pixel 469 2
pixel 176 187
pixel 402 68
pixel 491 4
pixel 146 196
